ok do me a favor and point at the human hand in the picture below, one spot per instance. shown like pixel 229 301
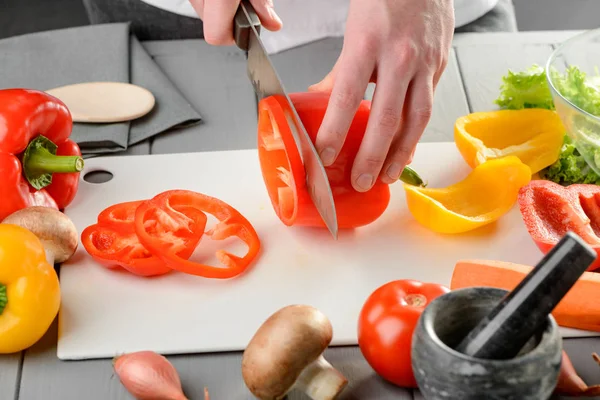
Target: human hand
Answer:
pixel 218 15
pixel 402 45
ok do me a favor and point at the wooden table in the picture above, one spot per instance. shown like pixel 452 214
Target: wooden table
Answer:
pixel 214 80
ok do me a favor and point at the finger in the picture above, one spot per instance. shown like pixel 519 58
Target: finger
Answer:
pixel 419 103
pixel 217 20
pixel 348 90
pixel 383 126
pixel 267 15
pixel 198 6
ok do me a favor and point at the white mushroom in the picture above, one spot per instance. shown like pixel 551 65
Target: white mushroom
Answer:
pixel 286 353
pixel 55 230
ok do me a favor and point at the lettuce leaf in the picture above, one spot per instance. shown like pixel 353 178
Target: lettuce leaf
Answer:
pixel 525 89
pixel 570 168
pixel 579 89
pixel 529 89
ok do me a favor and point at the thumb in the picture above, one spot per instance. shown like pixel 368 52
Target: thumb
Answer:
pixel 267 15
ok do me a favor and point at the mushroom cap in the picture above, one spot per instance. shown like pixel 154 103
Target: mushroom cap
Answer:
pixel 55 230
pixel 287 342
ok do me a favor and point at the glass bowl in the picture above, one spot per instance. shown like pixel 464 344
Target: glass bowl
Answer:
pixel 577 101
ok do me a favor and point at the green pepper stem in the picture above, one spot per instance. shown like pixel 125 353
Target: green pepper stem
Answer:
pixel 42 161
pixel 410 176
pixel 3 298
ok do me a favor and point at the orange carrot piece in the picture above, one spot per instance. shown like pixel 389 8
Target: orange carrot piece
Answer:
pixel 579 309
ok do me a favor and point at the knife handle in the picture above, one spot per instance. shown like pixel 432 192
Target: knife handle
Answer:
pixel 245 18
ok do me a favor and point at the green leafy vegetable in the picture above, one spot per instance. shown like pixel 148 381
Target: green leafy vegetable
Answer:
pixel 529 89
pixel 579 89
pixel 525 89
pixel 570 168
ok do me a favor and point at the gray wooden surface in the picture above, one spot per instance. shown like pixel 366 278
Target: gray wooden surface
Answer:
pixel 214 80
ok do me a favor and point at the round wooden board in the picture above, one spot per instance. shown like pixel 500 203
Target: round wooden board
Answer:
pixel 105 102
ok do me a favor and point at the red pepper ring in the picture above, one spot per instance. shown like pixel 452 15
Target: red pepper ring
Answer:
pixel 112 248
pixel 113 241
pixel 231 223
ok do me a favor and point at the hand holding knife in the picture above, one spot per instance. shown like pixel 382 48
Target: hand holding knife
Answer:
pixel 266 83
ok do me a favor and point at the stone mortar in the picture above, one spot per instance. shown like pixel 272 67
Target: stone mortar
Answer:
pixel 443 373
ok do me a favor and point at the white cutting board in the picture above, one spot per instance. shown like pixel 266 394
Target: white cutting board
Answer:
pixel 106 312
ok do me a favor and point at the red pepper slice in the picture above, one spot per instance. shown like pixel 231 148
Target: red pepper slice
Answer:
pixel 154 217
pixel 113 241
pixel 283 170
pixel 550 210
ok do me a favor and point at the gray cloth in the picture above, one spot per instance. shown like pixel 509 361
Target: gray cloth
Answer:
pixel 151 23
pixel 50 59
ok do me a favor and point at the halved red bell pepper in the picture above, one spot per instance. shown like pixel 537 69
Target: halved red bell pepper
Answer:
pixel 550 210
pixel 112 241
pixel 39 164
pixel 156 216
pixel 283 170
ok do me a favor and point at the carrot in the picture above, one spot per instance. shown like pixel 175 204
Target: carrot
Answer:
pixel 579 309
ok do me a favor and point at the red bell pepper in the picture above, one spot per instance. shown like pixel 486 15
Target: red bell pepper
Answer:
pixel 550 210
pixel 39 164
pixel 283 170
pixel 156 216
pixel 112 241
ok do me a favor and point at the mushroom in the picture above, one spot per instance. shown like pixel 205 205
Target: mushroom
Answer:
pixel 286 353
pixel 54 229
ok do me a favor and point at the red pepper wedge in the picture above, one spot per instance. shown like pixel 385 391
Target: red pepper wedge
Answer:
pixel 112 241
pixel 155 216
pixel 39 164
pixel 549 210
pixel 283 170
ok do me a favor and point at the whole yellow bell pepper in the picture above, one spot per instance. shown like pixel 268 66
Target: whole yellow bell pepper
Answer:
pixel 534 135
pixel 486 194
pixel 29 289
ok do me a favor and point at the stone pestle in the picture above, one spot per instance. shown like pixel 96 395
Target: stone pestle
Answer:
pixel 523 312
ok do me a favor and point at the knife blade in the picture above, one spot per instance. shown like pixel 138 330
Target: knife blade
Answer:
pixel 266 82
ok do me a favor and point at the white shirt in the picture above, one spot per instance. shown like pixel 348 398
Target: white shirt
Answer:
pixel 305 21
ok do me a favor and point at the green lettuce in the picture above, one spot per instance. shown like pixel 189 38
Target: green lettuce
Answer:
pixel 570 168
pixel 579 89
pixel 525 89
pixel 530 89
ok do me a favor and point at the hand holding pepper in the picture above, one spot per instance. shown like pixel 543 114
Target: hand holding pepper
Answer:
pixel 39 164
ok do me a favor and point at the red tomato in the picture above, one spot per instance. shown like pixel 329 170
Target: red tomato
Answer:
pixel 386 324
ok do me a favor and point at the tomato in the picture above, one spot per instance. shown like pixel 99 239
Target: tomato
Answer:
pixel 386 325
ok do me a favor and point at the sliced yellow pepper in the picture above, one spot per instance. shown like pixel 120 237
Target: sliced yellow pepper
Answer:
pixel 486 194
pixel 534 135
pixel 29 289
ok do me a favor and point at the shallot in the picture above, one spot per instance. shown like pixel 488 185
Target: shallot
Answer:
pixel 571 384
pixel 149 376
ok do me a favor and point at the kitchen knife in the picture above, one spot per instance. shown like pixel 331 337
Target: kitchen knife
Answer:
pixel 266 83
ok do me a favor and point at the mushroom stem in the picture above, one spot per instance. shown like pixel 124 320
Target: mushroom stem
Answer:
pixel 320 380
pixel 55 230
pixel 49 254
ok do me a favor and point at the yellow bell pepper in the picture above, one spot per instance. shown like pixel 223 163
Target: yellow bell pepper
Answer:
pixel 29 289
pixel 534 135
pixel 486 194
